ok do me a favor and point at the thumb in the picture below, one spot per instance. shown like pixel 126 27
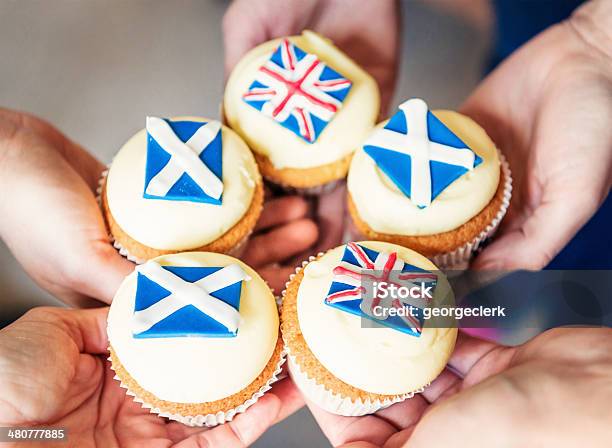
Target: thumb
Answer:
pixel 239 33
pixel 240 432
pixel 465 417
pixel 539 238
pixel 101 272
pixel 86 327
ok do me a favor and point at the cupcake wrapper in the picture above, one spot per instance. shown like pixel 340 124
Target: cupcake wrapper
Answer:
pixel 235 251
pixel 209 420
pixel 335 403
pixel 460 258
pixel 326 399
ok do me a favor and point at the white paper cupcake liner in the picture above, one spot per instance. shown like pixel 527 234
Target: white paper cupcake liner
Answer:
pixel 460 258
pixel 235 251
pixel 324 398
pixel 336 403
pixel 209 420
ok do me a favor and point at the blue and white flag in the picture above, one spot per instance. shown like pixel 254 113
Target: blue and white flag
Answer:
pixel 419 153
pixel 184 161
pixel 179 301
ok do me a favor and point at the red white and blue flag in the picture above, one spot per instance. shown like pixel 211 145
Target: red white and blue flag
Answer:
pixel 298 90
pixel 361 267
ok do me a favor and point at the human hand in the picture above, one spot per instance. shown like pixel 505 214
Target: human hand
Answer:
pixel 367 31
pixel 282 232
pixel 548 108
pixel 54 373
pixel 546 392
pixel 50 218
pixel 53 225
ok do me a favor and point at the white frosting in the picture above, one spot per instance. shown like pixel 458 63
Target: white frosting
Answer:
pixel 388 210
pixel 184 158
pixel 183 293
pixel 350 125
pixel 179 225
pixel 376 360
pixel 197 369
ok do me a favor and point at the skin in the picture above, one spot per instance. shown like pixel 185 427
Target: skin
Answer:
pixel 77 390
pixel 46 176
pixel 365 30
pixel 543 127
pixel 492 395
pixel 541 123
pixel 553 125
pixel 537 118
pixel 370 36
pixel 555 116
pixel 536 382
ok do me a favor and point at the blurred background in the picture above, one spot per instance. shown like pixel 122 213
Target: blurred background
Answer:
pixel 96 68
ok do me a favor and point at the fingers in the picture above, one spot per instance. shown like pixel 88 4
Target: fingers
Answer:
pixel 239 33
pixel 281 243
pixel 405 414
pixel 276 276
pixel 290 397
pixel 342 430
pixel 290 401
pixel 101 272
pixel 86 327
pixel 360 445
pixel 282 210
pixel 445 385
pixel 240 432
pixel 85 164
pixel 331 213
pixel 534 245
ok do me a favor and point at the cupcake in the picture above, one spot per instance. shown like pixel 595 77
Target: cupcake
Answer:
pixel 194 337
pixel 341 355
pixel 303 107
pixel 431 181
pixel 181 184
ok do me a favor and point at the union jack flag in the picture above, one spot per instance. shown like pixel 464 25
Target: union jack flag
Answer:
pixel 361 265
pixel 298 90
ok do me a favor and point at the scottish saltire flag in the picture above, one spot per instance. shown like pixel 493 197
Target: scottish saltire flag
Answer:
pixel 179 301
pixel 419 153
pixel 298 90
pixel 184 161
pixel 360 265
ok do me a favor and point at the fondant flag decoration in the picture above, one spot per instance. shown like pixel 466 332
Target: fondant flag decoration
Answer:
pixel 184 161
pixel 419 153
pixel 298 90
pixel 178 301
pixel 360 265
